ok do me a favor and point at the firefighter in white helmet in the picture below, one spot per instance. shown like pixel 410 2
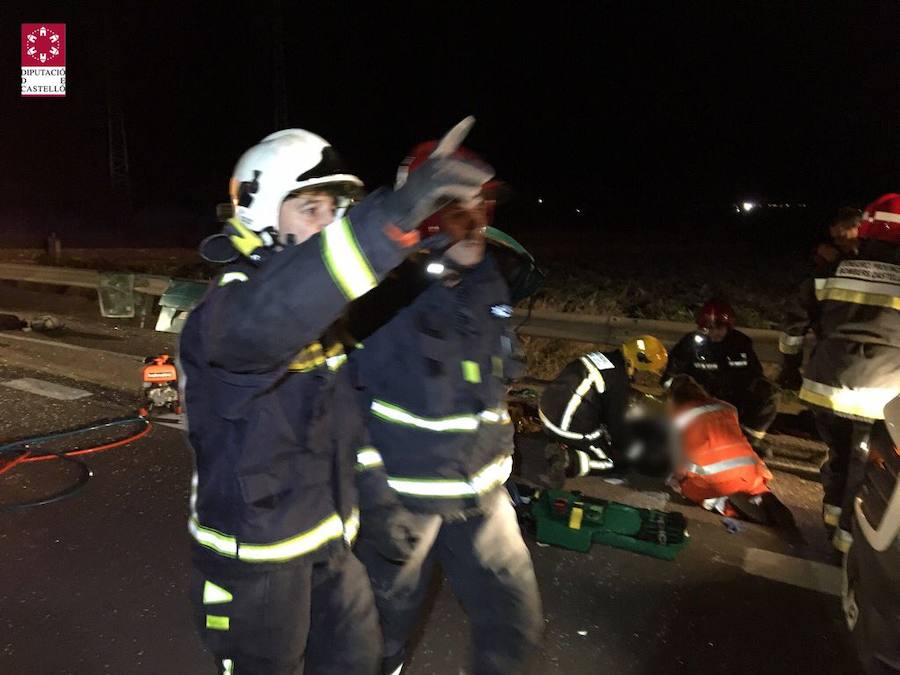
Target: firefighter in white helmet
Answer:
pixel 271 411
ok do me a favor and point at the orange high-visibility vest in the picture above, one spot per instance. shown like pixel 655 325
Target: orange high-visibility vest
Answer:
pixel 717 460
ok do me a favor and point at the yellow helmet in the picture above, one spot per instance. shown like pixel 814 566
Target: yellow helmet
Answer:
pixel 646 353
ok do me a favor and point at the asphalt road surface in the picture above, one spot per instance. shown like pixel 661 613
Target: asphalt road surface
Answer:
pixel 98 583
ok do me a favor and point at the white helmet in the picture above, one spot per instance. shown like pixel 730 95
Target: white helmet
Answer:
pixel 282 163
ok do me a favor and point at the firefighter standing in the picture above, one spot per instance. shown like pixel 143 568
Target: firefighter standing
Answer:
pixel 721 359
pixel 273 504
pixel 442 436
pixel 585 406
pixel 854 369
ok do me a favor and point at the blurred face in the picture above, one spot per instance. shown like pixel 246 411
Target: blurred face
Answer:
pixel 465 224
pixel 716 333
pixel 303 215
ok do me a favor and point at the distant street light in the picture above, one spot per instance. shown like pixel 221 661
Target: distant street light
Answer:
pixel 540 201
pixel 748 206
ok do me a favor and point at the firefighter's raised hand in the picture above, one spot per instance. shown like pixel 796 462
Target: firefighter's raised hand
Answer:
pixel 442 178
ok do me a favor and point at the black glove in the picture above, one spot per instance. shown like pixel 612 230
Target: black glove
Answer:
pixel 392 530
pixel 438 180
pixel 790 378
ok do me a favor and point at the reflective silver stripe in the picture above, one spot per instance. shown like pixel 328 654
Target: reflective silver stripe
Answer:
pixel 866 402
pixel 703 365
pixel 790 344
pixel 346 261
pixel 754 432
pixel 368 458
pixel 351 527
pixel 494 474
pixel 737 364
pixel 495 416
pixel 397 670
pixel 467 423
pixel 574 402
pixel 328 530
pixel 719 467
pixel 227 667
pixel 228 277
pixel 396 414
pixel 595 374
pixel 584 463
pixel 688 416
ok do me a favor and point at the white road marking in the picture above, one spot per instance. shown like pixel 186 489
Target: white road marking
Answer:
pixel 809 574
pixel 44 388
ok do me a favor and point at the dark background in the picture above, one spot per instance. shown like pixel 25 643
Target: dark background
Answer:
pixel 648 116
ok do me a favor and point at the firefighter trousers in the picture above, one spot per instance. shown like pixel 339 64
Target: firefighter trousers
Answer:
pixel 489 569
pixel 757 408
pixel 844 470
pixel 318 619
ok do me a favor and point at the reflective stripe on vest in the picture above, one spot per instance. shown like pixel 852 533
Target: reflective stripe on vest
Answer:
pixel 858 292
pixel 684 419
pixel 719 467
pixel 346 261
pixel 368 458
pixel 328 530
pixel 866 402
pixel 454 423
pixel 494 474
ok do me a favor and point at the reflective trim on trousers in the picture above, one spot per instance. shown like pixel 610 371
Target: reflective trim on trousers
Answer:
pixel 454 423
pixel 494 474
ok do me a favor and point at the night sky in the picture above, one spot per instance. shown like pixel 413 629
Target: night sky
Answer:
pixel 630 107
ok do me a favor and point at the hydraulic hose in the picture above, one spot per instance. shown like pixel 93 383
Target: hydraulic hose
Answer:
pixel 27 455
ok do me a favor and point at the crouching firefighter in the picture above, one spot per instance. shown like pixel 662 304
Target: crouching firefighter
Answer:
pixel 854 369
pixel 587 409
pixel 722 360
pixel 273 505
pixel 714 465
pixel 442 446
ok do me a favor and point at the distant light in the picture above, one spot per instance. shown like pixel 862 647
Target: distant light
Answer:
pixel 577 210
pixel 540 201
pixel 699 339
pixel 435 268
pixel 748 206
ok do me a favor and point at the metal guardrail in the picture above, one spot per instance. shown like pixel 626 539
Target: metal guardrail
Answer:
pixel 541 322
pixel 613 330
pixel 149 284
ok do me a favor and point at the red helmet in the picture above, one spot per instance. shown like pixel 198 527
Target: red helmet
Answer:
pixel 715 313
pixel 881 219
pixel 432 225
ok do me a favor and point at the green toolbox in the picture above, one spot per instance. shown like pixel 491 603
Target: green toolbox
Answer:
pixel 571 520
